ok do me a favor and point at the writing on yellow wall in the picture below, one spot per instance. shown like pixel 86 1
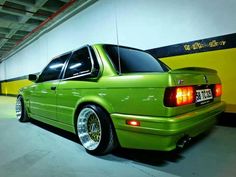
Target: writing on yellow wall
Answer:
pixel 199 45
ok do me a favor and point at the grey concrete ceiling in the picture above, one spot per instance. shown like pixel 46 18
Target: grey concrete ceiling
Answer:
pixel 19 17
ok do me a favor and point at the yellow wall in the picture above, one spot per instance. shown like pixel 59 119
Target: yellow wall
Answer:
pixel 12 87
pixel 224 61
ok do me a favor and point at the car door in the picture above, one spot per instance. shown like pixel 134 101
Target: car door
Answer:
pixel 81 67
pixel 43 94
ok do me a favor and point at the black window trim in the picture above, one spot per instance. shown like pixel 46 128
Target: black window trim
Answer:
pixel 115 69
pixel 62 70
pixel 83 74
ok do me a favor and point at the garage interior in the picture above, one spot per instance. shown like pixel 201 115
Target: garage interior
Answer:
pixel 182 34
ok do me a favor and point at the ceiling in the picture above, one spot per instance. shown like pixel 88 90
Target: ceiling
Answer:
pixel 21 18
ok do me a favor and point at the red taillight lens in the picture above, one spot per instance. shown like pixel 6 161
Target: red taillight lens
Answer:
pixel 184 95
pixel 217 90
pixel 178 96
pixel 133 122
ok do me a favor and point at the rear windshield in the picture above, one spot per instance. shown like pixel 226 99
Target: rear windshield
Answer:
pixel 133 60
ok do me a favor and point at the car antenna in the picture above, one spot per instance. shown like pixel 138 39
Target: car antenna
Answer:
pixel 117 40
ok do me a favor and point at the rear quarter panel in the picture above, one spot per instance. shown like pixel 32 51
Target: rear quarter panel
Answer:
pixel 133 94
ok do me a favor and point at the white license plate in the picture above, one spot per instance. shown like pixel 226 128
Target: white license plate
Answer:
pixel 203 95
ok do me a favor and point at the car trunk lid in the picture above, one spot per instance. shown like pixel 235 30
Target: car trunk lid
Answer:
pixel 194 76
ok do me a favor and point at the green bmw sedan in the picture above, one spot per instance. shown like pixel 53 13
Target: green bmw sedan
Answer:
pixel 111 96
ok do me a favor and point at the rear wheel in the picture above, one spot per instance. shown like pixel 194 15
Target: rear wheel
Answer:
pixel 95 130
pixel 21 113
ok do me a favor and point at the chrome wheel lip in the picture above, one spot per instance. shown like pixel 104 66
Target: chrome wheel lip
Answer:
pixel 82 129
pixel 18 108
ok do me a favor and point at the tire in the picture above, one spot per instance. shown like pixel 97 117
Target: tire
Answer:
pixel 21 113
pixel 95 130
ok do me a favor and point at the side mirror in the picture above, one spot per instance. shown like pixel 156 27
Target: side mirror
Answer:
pixel 32 77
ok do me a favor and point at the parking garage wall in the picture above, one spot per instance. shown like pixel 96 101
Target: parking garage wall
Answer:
pixel 189 33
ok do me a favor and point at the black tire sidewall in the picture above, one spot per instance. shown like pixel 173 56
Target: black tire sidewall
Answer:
pixel 105 130
pixel 24 115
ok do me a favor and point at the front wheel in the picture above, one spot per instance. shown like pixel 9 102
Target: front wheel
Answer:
pixel 21 113
pixel 95 131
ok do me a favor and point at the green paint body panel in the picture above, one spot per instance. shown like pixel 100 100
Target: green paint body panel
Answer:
pixel 161 133
pixel 136 96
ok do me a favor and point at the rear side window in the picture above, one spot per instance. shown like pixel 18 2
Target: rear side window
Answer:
pixel 79 64
pixel 133 60
pixel 53 69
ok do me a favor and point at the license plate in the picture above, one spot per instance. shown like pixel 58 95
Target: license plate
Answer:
pixel 203 96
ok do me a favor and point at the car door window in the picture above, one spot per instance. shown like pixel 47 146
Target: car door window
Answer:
pixel 79 64
pixel 53 69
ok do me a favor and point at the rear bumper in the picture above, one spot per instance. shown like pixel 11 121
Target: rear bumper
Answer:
pixel 162 133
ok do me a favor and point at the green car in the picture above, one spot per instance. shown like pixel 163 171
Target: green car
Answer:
pixel 113 96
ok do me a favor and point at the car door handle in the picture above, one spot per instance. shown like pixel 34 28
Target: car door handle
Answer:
pixel 53 88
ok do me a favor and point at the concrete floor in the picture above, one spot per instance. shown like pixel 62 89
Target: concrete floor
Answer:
pixel 35 149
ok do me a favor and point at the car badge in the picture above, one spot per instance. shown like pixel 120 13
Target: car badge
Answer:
pixel 180 81
pixel 205 78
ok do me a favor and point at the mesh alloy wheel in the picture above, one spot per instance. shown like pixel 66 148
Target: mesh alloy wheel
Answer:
pixel 18 108
pixel 95 130
pixel 21 113
pixel 89 128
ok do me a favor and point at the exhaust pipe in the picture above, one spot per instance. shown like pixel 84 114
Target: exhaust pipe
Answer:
pixel 183 141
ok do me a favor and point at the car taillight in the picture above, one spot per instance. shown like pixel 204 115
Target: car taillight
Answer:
pixel 217 90
pixel 178 96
